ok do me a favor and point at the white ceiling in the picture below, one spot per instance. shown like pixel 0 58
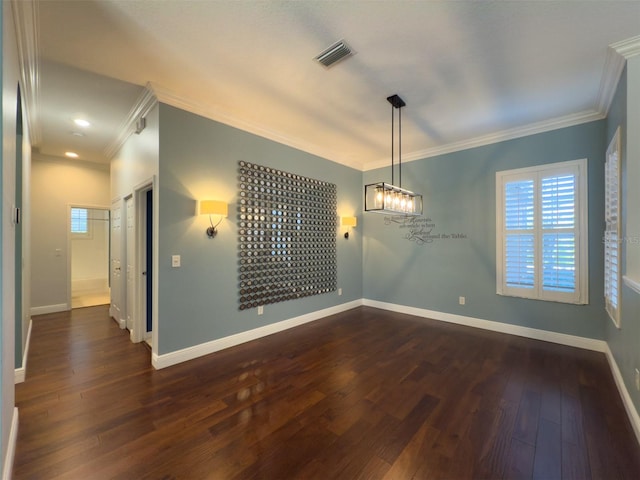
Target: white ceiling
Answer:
pixel 470 72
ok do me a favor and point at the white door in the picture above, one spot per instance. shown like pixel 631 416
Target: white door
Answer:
pixel 116 269
pixel 129 239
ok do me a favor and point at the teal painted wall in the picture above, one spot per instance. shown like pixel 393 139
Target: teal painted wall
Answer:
pixel 625 342
pixel 198 302
pixel 459 198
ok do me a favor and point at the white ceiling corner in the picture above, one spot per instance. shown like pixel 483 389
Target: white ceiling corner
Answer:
pixel 472 73
pixel 145 102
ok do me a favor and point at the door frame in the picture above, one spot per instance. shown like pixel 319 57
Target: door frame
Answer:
pixel 139 331
pixel 88 207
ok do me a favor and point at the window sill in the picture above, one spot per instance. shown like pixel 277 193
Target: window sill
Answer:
pixel 632 284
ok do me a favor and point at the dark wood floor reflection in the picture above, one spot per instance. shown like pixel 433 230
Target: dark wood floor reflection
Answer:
pixel 365 394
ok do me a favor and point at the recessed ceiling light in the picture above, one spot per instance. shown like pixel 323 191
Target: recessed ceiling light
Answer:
pixel 71 154
pixel 81 122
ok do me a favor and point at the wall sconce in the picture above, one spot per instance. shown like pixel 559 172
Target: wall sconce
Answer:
pixel 213 207
pixel 348 222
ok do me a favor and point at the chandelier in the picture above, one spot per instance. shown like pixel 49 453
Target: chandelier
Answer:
pixel 387 198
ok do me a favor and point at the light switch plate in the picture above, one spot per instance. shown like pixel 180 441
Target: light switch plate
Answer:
pixel 175 261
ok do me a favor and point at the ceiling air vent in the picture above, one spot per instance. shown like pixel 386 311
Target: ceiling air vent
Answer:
pixel 334 53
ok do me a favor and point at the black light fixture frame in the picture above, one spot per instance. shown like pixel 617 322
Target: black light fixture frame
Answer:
pixel 385 198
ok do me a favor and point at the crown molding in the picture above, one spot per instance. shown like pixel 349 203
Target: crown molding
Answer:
pixel 501 136
pixel 627 48
pixel 143 105
pixel 613 66
pixel 617 55
pixel 25 19
pixel 216 114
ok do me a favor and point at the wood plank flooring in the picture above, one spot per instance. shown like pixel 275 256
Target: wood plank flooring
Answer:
pixel 365 394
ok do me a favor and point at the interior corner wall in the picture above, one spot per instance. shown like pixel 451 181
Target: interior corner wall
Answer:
pixel 137 160
pixel 198 302
pixel 632 194
pixel 453 253
pixel 55 184
pixel 135 163
pixel 624 343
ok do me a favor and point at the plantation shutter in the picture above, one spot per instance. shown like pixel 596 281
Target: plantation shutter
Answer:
pixel 541 232
pixel 612 230
pixel 558 233
pixel 520 240
pixel 79 221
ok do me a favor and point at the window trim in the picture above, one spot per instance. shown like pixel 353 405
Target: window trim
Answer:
pixel 580 169
pixel 614 147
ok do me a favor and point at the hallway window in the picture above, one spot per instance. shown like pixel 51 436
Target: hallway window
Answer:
pixel 79 222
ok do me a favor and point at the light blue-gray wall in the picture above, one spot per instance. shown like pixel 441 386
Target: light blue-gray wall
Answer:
pixel 198 302
pixel 459 198
pixel 625 342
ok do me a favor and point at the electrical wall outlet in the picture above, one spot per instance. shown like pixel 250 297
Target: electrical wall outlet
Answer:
pixel 339 291
pixel 462 300
pixel 637 379
pixel 260 309
pixel 175 261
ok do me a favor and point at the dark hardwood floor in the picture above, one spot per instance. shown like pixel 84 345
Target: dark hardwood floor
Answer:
pixel 365 394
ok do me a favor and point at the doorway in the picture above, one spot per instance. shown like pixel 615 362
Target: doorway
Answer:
pixel 89 256
pixel 143 257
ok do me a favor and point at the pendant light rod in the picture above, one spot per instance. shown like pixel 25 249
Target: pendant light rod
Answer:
pixel 396 102
pixel 400 146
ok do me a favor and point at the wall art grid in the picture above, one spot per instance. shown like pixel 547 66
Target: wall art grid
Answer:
pixel 287 236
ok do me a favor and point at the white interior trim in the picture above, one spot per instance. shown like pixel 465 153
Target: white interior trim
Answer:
pixel 496 137
pixel 534 333
pixel 21 373
pixel 7 471
pixel 627 48
pixel 145 102
pixel 25 20
pixel 168 97
pixel 189 353
pixel 632 284
pixel 632 413
pixel 44 309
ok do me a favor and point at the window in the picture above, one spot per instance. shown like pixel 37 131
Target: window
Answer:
pixel 79 221
pixel 612 229
pixel 541 232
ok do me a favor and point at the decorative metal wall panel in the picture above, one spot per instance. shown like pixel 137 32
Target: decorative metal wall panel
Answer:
pixel 287 236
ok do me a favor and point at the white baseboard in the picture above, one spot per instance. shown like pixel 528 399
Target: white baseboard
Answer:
pixel 632 413
pixel 7 471
pixel 553 337
pixel 21 373
pixel 60 307
pixel 179 356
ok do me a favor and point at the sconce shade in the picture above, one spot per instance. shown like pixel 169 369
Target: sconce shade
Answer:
pixel 213 207
pixel 348 221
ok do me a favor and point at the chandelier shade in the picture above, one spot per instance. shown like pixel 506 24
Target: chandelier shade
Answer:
pixel 387 198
